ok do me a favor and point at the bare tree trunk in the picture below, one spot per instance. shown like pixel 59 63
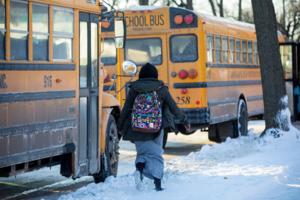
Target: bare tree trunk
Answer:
pixel 143 2
pixel 240 11
pixel 221 8
pixel 213 7
pixel 189 4
pixel 270 64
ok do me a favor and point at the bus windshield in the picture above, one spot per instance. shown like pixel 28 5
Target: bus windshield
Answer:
pixel 142 51
pixel 109 54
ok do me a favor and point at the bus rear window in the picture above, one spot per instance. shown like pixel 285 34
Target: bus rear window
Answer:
pixel 183 48
pixel 109 54
pixel 142 51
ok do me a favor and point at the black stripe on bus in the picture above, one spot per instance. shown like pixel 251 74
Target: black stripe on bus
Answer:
pixel 36 67
pixel 34 96
pixel 222 65
pixel 255 98
pixel 216 102
pixel 216 84
pixel 39 127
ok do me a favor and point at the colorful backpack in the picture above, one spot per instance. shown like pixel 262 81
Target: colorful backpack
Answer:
pixel 146 113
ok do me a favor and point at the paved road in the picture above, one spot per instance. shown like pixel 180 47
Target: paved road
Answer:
pixel 47 184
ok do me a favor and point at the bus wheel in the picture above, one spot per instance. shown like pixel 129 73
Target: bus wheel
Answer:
pixel 109 164
pixel 241 123
pixel 165 138
pixel 213 133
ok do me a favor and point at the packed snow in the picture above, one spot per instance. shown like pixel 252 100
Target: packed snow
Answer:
pixel 245 168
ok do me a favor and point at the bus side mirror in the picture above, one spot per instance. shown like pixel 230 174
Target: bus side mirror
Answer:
pixel 129 68
pixel 119 30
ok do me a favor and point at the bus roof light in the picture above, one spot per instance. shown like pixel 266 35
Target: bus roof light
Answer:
pixel 178 19
pixel 183 74
pixel 188 19
pixel 105 24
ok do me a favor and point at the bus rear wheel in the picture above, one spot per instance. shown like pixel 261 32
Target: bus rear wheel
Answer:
pixel 241 123
pixel 110 161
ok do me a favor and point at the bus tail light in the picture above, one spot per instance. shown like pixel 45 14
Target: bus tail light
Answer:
pixel 178 19
pixel 188 19
pixel 198 102
pixel 173 74
pixel 184 91
pixel 183 74
pixel 193 73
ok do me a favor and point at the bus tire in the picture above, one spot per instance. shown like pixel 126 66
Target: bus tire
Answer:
pixel 213 133
pixel 109 164
pixel 241 123
pixel 165 139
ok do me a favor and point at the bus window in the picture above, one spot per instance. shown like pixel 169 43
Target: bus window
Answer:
pixel 209 48
pixel 286 59
pixel 143 50
pixel 225 50
pixel 2 30
pixel 231 50
pixel 238 51
pixel 250 53
pixel 244 51
pixel 183 48
pixel 19 30
pixel 109 53
pixel 255 53
pixel 218 49
pixel 62 34
pixel 40 32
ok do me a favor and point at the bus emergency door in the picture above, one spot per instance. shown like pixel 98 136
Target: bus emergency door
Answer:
pixel 88 95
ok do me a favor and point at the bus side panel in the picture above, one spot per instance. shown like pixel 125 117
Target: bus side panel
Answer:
pixel 226 86
pixel 38 116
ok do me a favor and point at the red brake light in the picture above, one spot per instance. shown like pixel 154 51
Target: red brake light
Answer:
pixel 183 74
pixel 184 91
pixel 188 19
pixel 193 73
pixel 178 19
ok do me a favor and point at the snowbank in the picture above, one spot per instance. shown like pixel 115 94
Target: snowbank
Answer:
pixel 238 169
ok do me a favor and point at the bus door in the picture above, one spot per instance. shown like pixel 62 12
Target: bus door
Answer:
pixel 183 68
pixel 88 95
pixel 290 62
pixel 152 49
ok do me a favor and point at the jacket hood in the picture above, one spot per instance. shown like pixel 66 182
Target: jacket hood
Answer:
pixel 146 84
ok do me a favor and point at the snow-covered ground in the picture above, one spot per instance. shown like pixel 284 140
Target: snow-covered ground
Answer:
pixel 246 168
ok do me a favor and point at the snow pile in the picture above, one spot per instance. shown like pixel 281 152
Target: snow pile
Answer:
pixel 244 168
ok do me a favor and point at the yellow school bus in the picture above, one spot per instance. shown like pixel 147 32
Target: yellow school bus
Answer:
pixel 210 65
pixel 52 106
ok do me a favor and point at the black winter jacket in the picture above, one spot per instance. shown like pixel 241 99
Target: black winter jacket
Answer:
pixel 169 109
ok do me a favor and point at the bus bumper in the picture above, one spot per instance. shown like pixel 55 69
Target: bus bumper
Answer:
pixel 197 115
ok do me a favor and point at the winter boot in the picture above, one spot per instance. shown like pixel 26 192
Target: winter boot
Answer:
pixel 138 175
pixel 157 183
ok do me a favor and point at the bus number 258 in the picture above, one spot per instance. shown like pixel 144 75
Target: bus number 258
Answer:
pixel 183 100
